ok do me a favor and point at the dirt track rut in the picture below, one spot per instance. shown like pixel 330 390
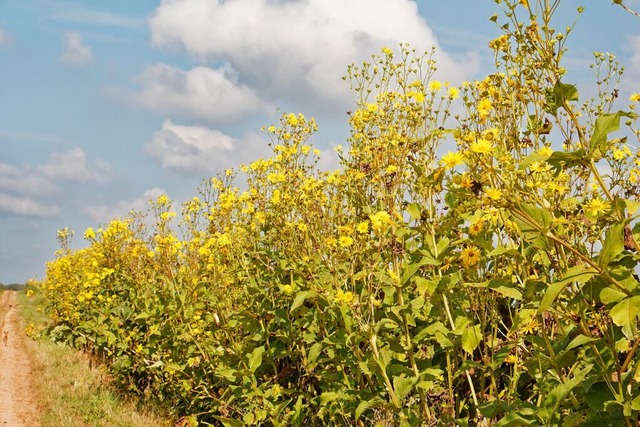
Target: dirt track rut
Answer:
pixel 16 399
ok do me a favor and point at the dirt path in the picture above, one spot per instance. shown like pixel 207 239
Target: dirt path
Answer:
pixel 17 407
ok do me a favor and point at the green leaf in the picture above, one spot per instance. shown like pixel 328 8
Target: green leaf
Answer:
pixel 560 159
pixel 255 358
pixel 471 338
pixel 605 124
pixel 366 404
pixel 613 243
pixel 300 298
pixel 580 340
pixel 513 420
pixel 555 397
pixel 561 93
pixel 533 221
pixel 229 422
pixel 506 289
pixel 403 386
pixel 578 273
pixel 624 314
pixel 597 395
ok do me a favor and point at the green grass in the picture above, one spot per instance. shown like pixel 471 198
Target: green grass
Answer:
pixel 68 391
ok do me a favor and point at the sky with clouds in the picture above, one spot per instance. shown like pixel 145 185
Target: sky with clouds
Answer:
pixel 105 105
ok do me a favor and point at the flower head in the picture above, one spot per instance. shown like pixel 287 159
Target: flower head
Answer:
pixel 470 256
pixel 451 159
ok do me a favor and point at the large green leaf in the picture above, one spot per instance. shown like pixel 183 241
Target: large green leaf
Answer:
pixel 624 314
pixel 578 274
pixel 613 243
pixel 403 386
pixel 559 95
pixel 255 358
pixel 300 298
pixel 554 399
pixel 471 338
pixel 605 124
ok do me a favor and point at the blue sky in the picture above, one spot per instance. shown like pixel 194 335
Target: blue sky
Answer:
pixel 104 105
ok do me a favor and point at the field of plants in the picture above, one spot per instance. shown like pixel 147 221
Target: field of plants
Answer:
pixel 472 262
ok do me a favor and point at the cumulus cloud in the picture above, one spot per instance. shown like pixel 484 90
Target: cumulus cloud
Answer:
pixel 72 166
pixel 25 206
pixel 207 94
pixel 105 213
pixel 75 52
pixel 198 150
pixel 24 181
pixel 296 49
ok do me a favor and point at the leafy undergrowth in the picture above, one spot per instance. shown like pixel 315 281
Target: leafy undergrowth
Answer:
pixel 68 391
pixel 494 284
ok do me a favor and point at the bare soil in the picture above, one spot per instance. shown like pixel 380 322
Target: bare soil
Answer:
pixel 17 403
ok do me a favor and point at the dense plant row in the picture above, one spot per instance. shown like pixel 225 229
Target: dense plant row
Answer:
pixel 493 284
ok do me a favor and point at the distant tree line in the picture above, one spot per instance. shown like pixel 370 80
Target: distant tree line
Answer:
pixel 12 286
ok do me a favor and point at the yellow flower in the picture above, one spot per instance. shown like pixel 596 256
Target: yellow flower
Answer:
pixel 451 160
pixel 363 227
pixel 493 193
pixel 346 297
pixel 470 256
pixel 380 220
pixel 618 155
pixel 434 86
pixel 491 134
pixel 345 241
pixel 635 97
pixel 481 146
pixel 454 92
pixel 387 51
pixel 512 359
pixel 89 234
pixel 539 167
pixel 391 169
pixel 476 227
pixel 484 105
pixel 546 151
pixel 287 289
pixel 596 207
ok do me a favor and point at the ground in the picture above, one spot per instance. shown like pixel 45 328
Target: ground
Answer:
pixel 17 404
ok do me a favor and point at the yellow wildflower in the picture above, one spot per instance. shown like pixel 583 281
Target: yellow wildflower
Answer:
pixel 345 241
pixel 454 92
pixel 476 227
pixel 493 193
pixel 635 97
pixel 380 220
pixel 470 256
pixel 546 151
pixel 363 227
pixel 451 159
pixel 596 207
pixel 346 297
pixel 89 234
pixel 435 86
pixel 481 146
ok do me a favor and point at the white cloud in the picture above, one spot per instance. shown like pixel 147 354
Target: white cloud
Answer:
pixel 105 213
pixel 296 49
pixel 24 181
pixel 26 206
pixel 72 166
pixel 75 53
pixel 198 150
pixel 204 93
